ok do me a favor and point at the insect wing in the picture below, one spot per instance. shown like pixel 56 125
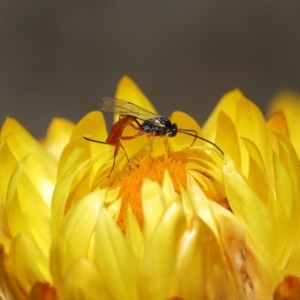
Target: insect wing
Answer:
pixel 122 107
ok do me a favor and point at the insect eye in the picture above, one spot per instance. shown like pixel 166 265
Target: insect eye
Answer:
pixel 173 131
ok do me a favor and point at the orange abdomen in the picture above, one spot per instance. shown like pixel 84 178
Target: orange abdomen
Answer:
pixel 117 129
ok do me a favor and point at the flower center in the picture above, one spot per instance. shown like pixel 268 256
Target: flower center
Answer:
pixel 153 168
pixel 131 184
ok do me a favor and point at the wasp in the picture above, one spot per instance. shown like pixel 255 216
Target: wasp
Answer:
pixel 144 121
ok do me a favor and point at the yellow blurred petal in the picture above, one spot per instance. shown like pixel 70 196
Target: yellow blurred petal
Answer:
pixel 201 270
pixel 93 126
pixel 252 277
pixel 72 155
pixel 156 279
pixel 153 206
pixel 227 138
pixel 287 177
pixel 61 194
pixel 41 166
pixel 22 197
pixel 168 189
pixel 246 205
pixel 58 135
pixel 78 150
pixel 42 291
pixel 115 262
pixel 227 104
pixel 289 159
pixel 283 211
pixel 200 203
pixel 293 265
pixel 187 205
pixel 20 267
pixel 134 235
pixel 289 103
pixel 72 240
pixel 128 90
pixel 278 122
pixel 4 230
pixel 257 177
pixel 249 123
pixel 288 289
pixel 82 281
pixel 10 288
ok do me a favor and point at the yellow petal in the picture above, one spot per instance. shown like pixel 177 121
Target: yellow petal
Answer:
pixel 257 177
pixel 128 90
pixel 278 122
pixel 42 291
pixel 22 197
pixel 152 205
pixel 287 178
pixel 61 195
pixel 134 235
pixel 78 150
pixel 201 270
pixel 228 103
pixel 288 289
pixel 201 204
pixel 246 205
pixel 156 280
pixel 93 126
pixel 83 282
pixel 72 240
pixel 293 265
pixel 168 189
pixel 4 230
pixel 253 279
pixel 289 103
pixel 249 123
pixel 227 137
pixel 40 167
pixel 20 267
pixel 115 262
pixel 186 122
pixel 58 135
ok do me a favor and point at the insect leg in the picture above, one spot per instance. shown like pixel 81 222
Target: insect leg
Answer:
pixel 117 147
pixel 151 137
pixel 95 141
pixel 165 141
pixel 115 154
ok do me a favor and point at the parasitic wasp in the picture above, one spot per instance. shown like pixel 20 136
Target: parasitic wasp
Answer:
pixel 144 121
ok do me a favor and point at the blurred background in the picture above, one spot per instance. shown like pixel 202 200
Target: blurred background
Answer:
pixel 58 58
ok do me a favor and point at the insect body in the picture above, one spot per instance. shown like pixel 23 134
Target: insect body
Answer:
pixel 144 121
pixel 152 123
pixel 115 136
pixel 161 127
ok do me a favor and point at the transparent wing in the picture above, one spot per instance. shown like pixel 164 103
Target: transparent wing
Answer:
pixel 122 107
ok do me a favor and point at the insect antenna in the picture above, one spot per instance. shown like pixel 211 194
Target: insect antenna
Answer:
pixel 186 131
pixel 196 136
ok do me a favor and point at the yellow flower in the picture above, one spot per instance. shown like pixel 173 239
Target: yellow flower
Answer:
pixel 286 107
pixel 174 222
